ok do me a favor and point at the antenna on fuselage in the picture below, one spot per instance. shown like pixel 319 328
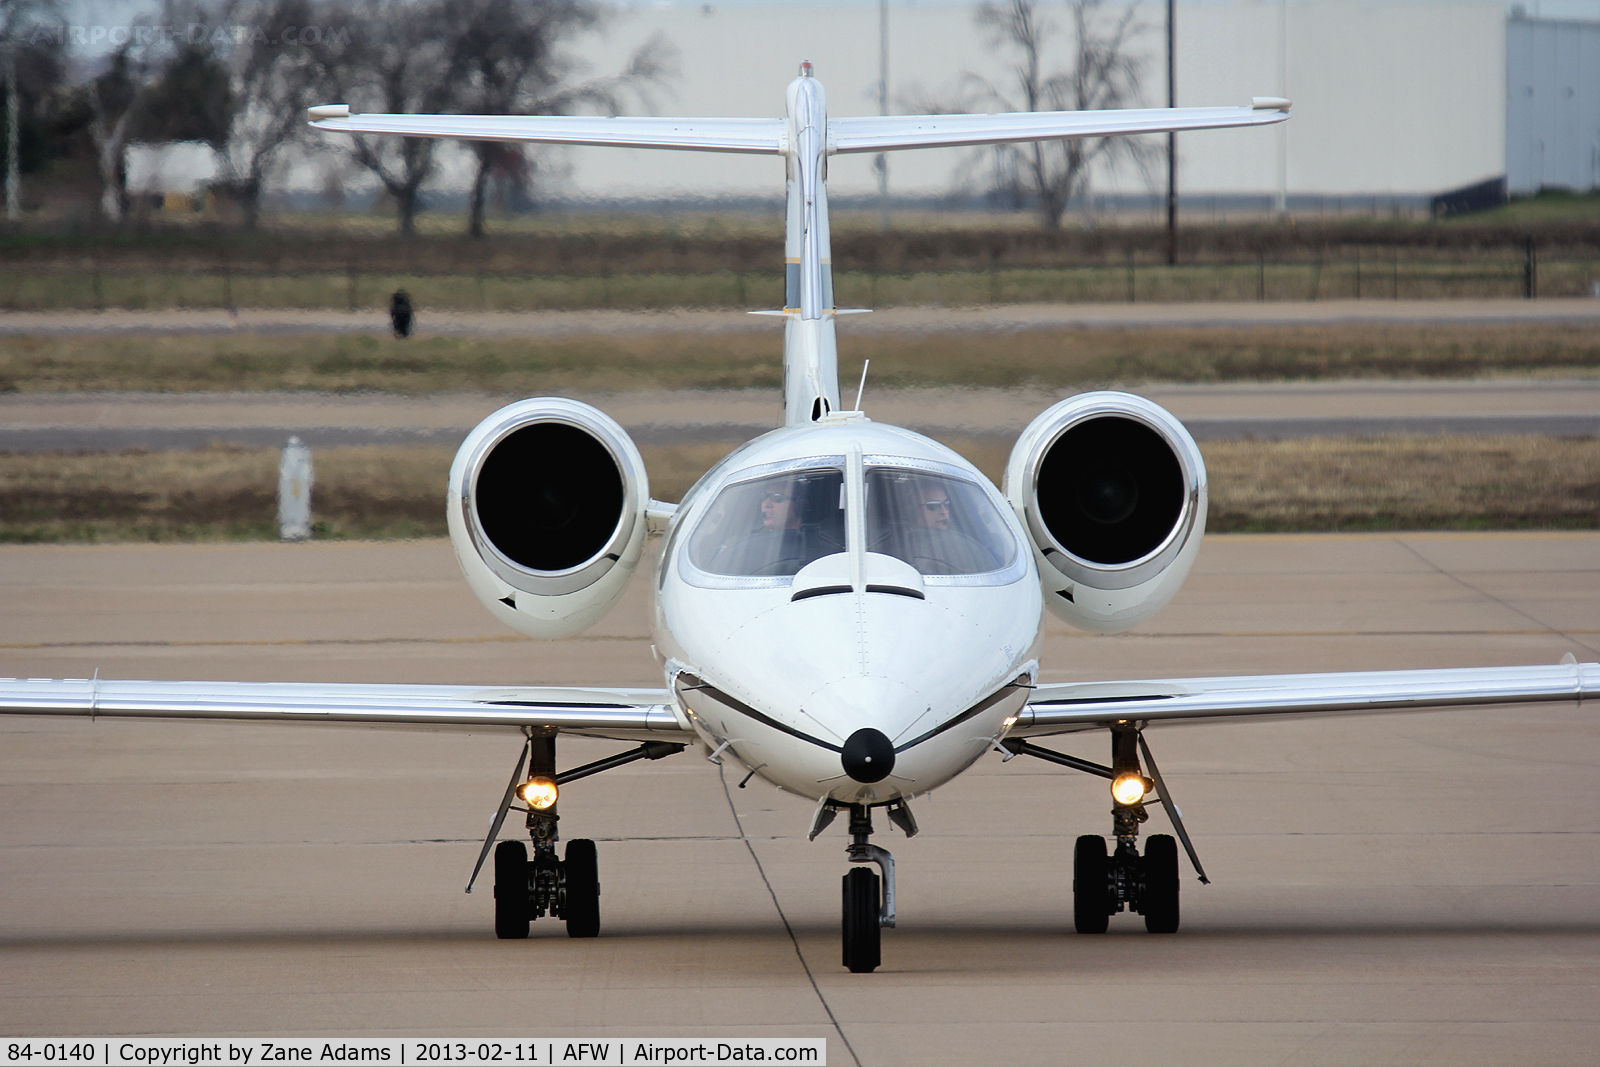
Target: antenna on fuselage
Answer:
pixel 863 386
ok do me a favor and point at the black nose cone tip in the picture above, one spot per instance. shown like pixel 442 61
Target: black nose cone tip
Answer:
pixel 868 756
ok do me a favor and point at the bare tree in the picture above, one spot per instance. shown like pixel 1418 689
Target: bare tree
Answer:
pixel 485 57
pixel 116 97
pixel 516 67
pixel 32 54
pixel 275 60
pixel 1102 74
pixel 401 59
pixel 159 85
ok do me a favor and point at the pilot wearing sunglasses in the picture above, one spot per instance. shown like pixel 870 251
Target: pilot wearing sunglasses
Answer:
pixel 777 509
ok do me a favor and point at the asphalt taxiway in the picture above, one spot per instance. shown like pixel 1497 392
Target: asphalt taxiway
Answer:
pixel 1400 889
pixel 34 422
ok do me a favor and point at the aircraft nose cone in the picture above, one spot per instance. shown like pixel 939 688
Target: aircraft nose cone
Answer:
pixel 868 755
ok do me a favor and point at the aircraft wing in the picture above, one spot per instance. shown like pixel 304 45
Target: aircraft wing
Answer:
pixel 628 714
pixel 1073 706
pixel 888 132
pixel 705 135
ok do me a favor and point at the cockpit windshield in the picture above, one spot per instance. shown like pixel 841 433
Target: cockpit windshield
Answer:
pixel 936 523
pixel 772 526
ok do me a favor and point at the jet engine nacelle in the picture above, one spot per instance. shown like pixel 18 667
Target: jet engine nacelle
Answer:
pixel 1112 491
pixel 547 514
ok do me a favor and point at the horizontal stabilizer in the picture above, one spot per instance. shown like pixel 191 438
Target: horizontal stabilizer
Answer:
pixel 705 135
pixel 889 132
pixel 766 136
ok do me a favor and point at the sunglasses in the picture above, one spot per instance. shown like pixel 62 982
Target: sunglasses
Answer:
pixel 775 498
pixel 937 505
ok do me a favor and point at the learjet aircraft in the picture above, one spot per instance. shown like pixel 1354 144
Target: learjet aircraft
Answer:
pixel 846 609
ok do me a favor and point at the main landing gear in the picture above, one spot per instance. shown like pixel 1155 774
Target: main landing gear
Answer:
pixel 868 898
pixel 1103 884
pixel 563 888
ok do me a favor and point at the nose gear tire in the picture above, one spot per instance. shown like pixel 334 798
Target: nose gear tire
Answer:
pixel 863 935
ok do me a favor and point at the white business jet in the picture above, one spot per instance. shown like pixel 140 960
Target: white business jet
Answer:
pixel 847 609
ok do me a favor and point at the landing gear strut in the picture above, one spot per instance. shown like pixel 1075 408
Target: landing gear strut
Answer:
pixel 526 889
pixel 868 899
pixel 1102 884
pixel 569 889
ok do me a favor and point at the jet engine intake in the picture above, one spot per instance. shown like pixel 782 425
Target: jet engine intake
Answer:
pixel 546 508
pixel 1112 491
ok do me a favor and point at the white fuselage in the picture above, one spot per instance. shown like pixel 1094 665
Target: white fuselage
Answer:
pixel 780 670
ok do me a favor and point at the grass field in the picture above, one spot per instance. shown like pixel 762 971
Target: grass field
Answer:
pixel 371 492
pixel 530 366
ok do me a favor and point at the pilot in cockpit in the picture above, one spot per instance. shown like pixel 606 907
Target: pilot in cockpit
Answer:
pixel 777 507
pixel 773 547
pixel 933 540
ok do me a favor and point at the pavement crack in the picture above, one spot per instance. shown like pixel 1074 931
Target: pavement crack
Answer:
pixel 788 929
pixel 1544 626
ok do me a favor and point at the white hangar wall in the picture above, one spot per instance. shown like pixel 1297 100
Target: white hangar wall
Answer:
pixel 1552 105
pixel 1392 97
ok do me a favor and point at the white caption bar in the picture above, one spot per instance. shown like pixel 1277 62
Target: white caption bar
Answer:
pixel 412 1052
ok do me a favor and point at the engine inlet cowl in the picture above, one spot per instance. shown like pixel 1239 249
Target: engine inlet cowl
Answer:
pixel 547 514
pixel 1112 491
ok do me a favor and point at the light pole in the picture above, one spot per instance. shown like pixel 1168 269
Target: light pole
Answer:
pixel 1283 90
pixel 881 163
pixel 1172 137
pixel 13 171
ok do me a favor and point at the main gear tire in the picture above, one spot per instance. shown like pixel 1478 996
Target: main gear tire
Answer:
pixel 1159 900
pixel 1091 885
pixel 511 916
pixel 581 909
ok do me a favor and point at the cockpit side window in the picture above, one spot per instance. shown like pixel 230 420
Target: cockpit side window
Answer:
pixel 772 526
pixel 938 524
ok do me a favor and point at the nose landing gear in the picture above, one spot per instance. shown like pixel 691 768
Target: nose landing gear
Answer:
pixel 868 898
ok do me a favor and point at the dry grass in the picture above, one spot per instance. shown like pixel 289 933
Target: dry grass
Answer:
pixel 217 494
pixel 1055 358
pixel 1405 483
pixel 1399 483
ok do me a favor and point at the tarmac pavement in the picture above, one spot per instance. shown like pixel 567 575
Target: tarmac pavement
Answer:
pixel 1397 889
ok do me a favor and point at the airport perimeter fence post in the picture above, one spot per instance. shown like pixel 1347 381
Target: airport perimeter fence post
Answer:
pixel 1530 268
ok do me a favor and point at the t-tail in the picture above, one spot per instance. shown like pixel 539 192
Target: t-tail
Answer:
pixel 805 138
pixel 810 351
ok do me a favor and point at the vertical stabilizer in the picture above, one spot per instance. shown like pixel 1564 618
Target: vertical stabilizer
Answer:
pixel 810 357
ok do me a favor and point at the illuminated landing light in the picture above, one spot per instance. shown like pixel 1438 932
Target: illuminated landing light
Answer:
pixel 1128 788
pixel 538 793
